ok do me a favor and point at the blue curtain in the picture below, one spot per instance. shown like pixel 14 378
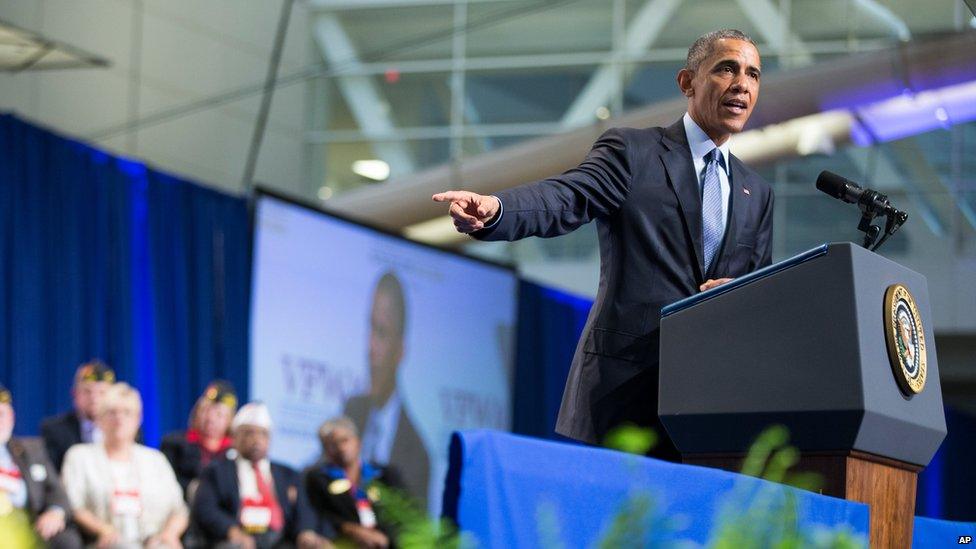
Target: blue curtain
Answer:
pixel 104 257
pixel 947 487
pixel 549 325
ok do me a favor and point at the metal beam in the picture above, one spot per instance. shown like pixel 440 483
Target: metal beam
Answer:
pixel 888 17
pixel 775 30
pixel 642 31
pixel 362 95
pixel 470 129
pixel 337 5
pixel 575 59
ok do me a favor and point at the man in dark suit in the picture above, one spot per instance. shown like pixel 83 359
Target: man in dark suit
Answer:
pixel 65 430
pixel 388 435
pixel 29 482
pixel 250 502
pixel 676 214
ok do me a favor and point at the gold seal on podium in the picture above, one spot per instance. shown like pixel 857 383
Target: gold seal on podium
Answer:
pixel 905 338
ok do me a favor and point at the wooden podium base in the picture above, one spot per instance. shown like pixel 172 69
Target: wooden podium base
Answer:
pixel 886 485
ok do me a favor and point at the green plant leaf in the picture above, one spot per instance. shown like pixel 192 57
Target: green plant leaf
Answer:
pixel 631 439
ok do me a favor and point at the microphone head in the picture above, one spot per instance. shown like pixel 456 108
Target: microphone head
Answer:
pixel 834 185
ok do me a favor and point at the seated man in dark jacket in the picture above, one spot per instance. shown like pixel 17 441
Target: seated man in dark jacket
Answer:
pixel 77 426
pixel 250 502
pixel 342 487
pixel 29 482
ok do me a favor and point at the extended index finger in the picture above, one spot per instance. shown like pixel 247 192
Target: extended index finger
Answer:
pixel 450 196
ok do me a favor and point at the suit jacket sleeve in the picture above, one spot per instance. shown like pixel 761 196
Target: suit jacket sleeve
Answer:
pixel 44 492
pixel 763 252
pixel 328 506
pixel 209 515
pixel 56 439
pixel 558 205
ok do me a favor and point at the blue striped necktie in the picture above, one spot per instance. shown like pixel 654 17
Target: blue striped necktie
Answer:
pixel 712 206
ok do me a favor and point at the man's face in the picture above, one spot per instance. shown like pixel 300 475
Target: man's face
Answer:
pixel 341 447
pixel 385 345
pixel 6 422
pixel 252 442
pixel 87 395
pixel 723 90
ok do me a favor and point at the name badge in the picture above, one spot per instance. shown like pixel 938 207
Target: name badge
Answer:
pixel 126 503
pixel 38 472
pixel 255 516
pixel 366 515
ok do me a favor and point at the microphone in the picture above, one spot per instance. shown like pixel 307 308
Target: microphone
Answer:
pixel 852 193
pixel 872 204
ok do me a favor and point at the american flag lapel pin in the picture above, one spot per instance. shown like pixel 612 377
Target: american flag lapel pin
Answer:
pixel 747 191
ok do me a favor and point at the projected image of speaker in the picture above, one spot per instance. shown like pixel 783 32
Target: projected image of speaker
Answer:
pixel 409 341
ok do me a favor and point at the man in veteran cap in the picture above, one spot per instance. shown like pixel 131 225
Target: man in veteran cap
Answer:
pixel 343 487
pixel 251 502
pixel 208 436
pixel 77 426
pixel 30 483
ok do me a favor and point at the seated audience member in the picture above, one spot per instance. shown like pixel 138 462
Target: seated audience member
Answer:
pixel 207 438
pixel 77 426
pixel 251 502
pixel 29 482
pixel 342 487
pixel 123 493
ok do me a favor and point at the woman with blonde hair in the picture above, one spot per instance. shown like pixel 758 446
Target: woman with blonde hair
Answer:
pixel 124 494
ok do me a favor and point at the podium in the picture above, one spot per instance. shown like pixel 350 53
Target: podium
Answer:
pixel 837 345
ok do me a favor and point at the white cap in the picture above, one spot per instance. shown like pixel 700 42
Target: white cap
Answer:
pixel 252 413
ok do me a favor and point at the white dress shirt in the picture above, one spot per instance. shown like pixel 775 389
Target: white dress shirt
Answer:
pixel 247 483
pixel 380 430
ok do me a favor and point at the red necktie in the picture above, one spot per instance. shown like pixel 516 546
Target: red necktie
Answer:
pixel 277 520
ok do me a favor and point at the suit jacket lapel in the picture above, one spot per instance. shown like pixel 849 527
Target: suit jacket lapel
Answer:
pixel 740 206
pixel 738 209
pixel 684 182
pixel 228 469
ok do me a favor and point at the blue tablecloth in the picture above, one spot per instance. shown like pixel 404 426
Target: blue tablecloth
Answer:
pixel 512 491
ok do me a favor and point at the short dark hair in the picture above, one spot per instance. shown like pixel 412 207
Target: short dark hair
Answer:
pixel 390 285
pixel 703 46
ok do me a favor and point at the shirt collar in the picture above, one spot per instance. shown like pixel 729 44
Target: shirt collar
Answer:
pixel 264 464
pixel 699 142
